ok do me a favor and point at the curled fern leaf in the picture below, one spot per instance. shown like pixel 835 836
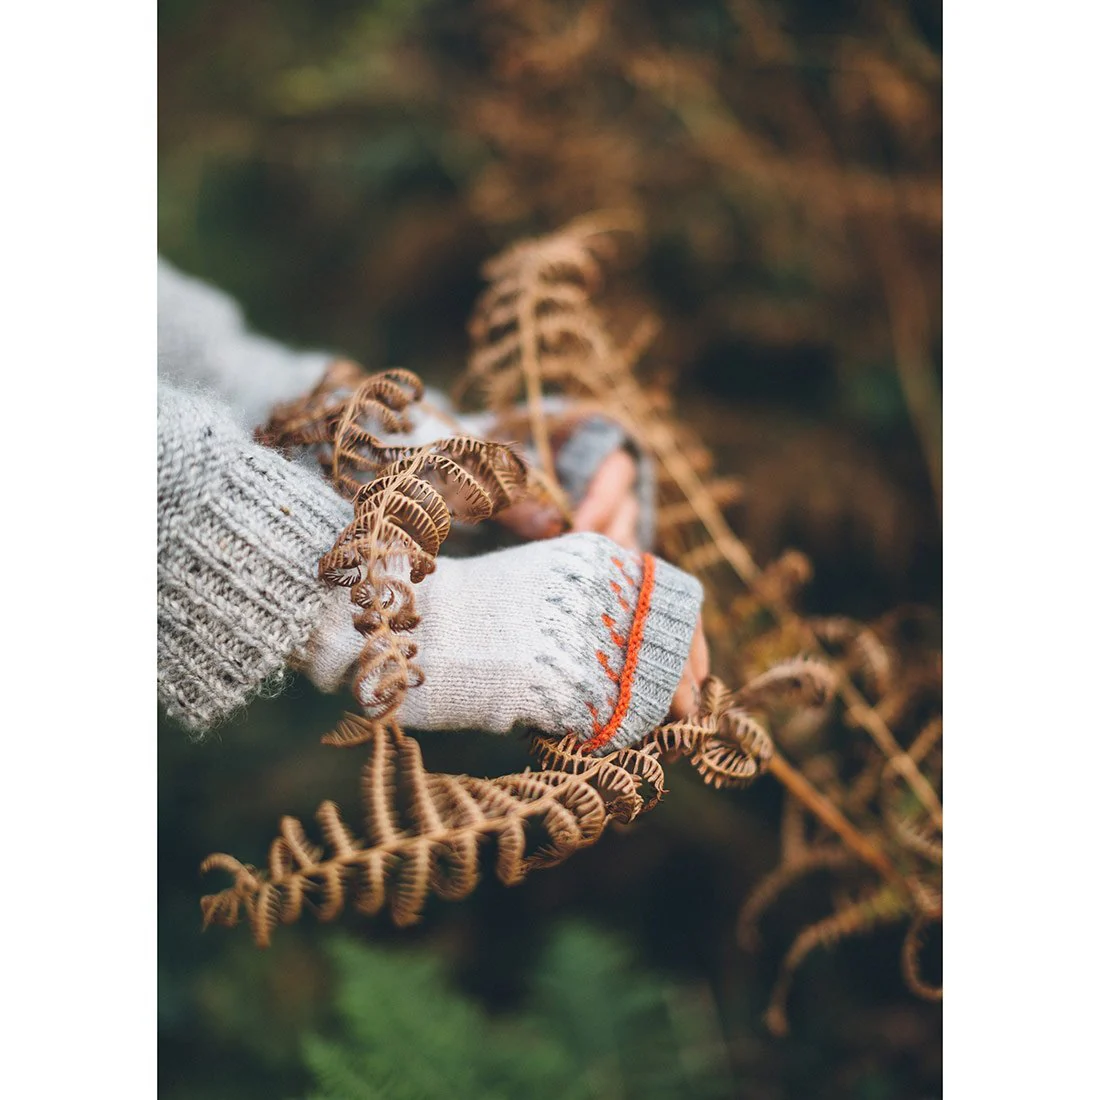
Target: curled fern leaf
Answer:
pixel 421 832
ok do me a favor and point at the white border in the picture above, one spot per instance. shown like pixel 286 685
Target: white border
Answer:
pixel 1021 536
pixel 78 87
pixel 1020 513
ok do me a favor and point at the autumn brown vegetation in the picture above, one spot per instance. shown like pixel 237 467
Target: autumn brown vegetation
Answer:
pixel 867 813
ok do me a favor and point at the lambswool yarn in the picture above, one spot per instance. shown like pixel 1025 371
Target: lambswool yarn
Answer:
pixel 569 635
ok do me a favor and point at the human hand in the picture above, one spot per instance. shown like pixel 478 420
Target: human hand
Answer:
pixel 610 507
pixel 685 699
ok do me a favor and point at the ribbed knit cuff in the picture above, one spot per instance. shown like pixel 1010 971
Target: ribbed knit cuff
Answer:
pixel 241 530
pixel 664 626
pixel 648 630
pixel 590 443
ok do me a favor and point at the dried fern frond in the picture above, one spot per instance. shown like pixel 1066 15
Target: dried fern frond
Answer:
pixel 534 323
pixel 476 478
pixel 880 906
pixel 339 419
pixel 805 680
pixel 402 510
pixel 724 743
pixel 863 651
pixel 630 780
pixel 537 325
pixel 764 894
pixel 422 832
pixel 910 957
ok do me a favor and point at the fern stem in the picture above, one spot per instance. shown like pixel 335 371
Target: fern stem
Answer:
pixel 828 814
pixel 737 555
pixel 529 352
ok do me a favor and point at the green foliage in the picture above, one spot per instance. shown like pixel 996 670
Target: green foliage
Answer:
pixel 595 1025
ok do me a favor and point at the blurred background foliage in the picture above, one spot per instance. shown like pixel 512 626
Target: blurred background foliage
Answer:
pixel 344 168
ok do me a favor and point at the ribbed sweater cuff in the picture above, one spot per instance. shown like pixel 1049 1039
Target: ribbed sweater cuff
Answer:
pixel 241 531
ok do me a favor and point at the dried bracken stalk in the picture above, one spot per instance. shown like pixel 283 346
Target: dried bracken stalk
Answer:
pixel 537 326
pixel 404 500
pixel 881 905
pixel 422 831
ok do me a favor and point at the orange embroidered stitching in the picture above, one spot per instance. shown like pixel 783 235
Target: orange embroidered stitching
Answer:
pixel 612 675
pixel 600 736
pixel 618 590
pixel 616 637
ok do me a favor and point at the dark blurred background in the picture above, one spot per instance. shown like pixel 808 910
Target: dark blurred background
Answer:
pixel 344 168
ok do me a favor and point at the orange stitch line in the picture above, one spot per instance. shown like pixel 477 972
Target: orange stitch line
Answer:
pixel 600 737
pixel 612 675
pixel 616 637
pixel 618 590
pixel 595 717
pixel 622 569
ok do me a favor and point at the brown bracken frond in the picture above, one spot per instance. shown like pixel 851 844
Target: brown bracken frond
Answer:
pixel 873 810
pixel 724 743
pixel 404 500
pixel 767 890
pixel 339 419
pixel 537 326
pixel 910 956
pixel 880 906
pixel 422 832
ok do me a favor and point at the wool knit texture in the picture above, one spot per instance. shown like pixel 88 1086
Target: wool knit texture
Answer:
pixel 509 638
pixel 239 534
pixel 581 455
pixel 204 342
pixel 570 635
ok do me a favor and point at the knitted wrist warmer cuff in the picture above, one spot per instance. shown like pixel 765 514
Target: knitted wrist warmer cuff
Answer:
pixel 239 536
pixel 569 635
pixel 584 451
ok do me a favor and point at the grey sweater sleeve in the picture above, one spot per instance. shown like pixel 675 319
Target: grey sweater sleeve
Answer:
pixel 240 531
pixel 203 340
pixel 570 635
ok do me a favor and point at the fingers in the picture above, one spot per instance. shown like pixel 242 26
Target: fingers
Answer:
pixel 623 527
pixel 531 519
pixel 613 483
pixel 685 700
pixel 699 658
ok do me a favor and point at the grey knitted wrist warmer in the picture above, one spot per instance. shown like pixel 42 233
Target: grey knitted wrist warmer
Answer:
pixel 569 635
pixel 239 535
